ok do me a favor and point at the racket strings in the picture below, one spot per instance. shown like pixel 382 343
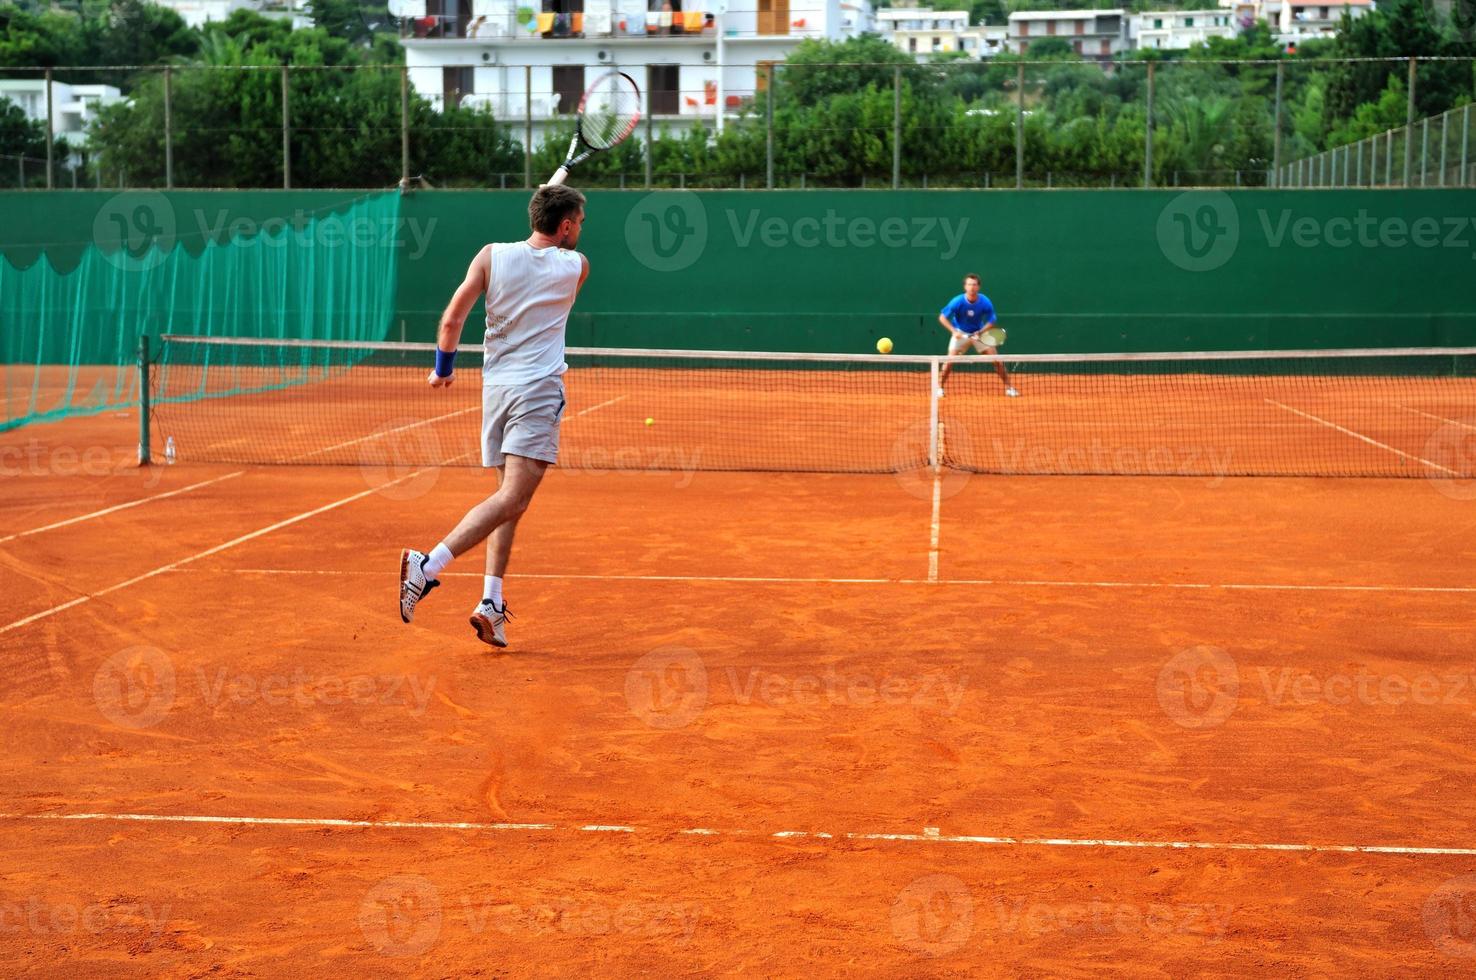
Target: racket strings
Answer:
pixel 612 108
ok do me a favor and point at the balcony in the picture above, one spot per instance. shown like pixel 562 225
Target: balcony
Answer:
pixel 529 25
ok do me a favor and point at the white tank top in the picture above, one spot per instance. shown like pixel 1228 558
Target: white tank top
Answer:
pixel 528 301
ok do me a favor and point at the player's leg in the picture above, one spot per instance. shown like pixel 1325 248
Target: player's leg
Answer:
pixel 491 613
pixel 999 369
pixel 955 346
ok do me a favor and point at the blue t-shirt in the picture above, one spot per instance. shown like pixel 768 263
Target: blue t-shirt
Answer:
pixel 969 317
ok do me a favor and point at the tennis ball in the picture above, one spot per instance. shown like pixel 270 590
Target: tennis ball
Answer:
pixel 884 346
pixel 650 421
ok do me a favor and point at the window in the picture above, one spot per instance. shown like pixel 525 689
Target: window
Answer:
pixel 937 44
pixel 1158 23
pixel 773 16
pixel 1188 21
pixel 1024 31
pixel 761 81
pixel 912 45
pixel 1077 46
pixel 457 82
pixel 1051 27
pixel 568 85
pixel 663 88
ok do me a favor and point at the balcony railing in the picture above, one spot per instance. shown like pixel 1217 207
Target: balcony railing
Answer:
pixel 554 26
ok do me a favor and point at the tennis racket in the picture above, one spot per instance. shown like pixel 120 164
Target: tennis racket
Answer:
pixel 608 113
pixel 994 336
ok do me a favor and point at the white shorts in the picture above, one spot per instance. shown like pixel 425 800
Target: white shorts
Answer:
pixel 957 344
pixel 522 420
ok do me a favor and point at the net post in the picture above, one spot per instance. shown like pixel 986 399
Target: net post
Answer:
pixel 933 459
pixel 143 399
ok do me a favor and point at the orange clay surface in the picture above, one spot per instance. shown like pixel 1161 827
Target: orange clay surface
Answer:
pixel 743 724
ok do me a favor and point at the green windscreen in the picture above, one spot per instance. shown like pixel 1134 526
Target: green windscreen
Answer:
pixel 70 321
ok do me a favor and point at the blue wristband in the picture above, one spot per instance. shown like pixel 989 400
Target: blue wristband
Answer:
pixel 445 363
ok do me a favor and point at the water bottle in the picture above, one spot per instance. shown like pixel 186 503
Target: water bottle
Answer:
pixel 169 451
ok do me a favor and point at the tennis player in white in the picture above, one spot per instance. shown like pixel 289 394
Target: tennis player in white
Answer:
pixel 529 287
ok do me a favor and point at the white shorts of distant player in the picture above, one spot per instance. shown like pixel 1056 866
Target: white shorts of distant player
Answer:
pixel 959 344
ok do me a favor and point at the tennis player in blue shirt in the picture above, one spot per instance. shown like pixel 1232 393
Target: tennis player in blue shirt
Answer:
pixel 965 317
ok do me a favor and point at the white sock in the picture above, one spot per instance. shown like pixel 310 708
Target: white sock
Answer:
pixel 492 589
pixel 437 561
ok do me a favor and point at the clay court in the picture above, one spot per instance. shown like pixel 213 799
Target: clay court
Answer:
pixel 893 724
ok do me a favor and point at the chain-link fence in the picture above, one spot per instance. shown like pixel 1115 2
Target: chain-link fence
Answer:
pixel 998 123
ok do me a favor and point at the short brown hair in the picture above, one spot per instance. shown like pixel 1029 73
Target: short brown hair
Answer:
pixel 974 276
pixel 551 205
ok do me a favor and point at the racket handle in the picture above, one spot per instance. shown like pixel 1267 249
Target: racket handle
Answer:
pixel 560 175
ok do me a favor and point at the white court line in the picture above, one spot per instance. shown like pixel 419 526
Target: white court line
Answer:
pixel 586 411
pixel 933 533
pixel 1437 418
pixel 1359 435
pixel 799 580
pixel 928 836
pixel 387 432
pixel 117 507
pixel 174 566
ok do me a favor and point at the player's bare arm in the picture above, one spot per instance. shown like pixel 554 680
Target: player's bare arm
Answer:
pixel 448 334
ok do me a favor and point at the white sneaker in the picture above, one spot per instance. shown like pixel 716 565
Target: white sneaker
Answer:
pixel 939 393
pixel 487 620
pixel 1011 393
pixel 413 583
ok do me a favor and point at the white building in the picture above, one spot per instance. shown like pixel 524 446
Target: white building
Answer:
pixel 72 106
pixel 1095 34
pixel 690 63
pixel 1293 20
pixel 197 13
pixel 1171 30
pixel 923 32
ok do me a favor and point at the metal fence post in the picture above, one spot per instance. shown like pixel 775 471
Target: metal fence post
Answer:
pixel 1148 134
pixel 168 128
pixel 404 125
pixel 50 133
pixel 1358 174
pixel 769 125
pixel 1424 150
pixel 1276 153
pixel 650 146
pixel 1019 126
pixel 1389 159
pixel 897 127
pixel 1465 145
pixel 1409 121
pixel 286 133
pixel 1444 139
pixel 528 127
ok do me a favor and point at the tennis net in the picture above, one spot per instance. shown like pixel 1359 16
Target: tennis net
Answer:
pixel 1402 412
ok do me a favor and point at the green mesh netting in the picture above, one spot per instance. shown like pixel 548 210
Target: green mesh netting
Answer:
pixel 70 320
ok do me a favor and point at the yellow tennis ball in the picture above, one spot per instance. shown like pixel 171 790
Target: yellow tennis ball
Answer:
pixel 650 421
pixel 884 346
